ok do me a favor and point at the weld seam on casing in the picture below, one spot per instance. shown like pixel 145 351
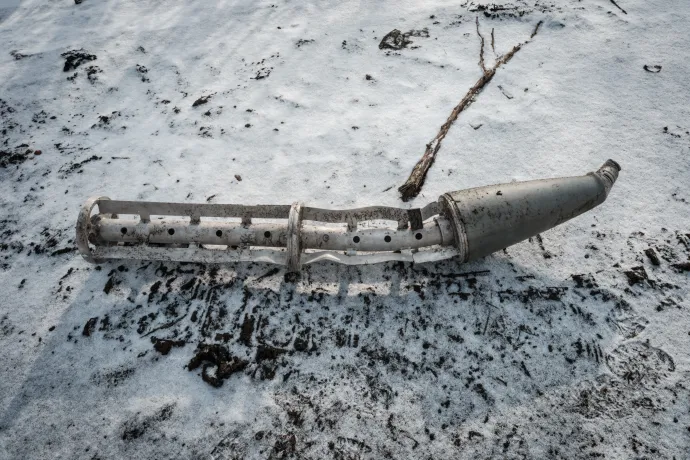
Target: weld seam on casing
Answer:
pixel 294 226
pixel 451 211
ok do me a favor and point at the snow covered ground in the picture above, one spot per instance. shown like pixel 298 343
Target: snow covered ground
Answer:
pixel 7 7
pixel 572 345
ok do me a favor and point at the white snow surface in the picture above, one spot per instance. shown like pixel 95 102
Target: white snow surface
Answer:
pixel 570 345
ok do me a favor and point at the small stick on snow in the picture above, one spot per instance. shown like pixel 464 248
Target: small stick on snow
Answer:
pixel 414 183
pixel 534 32
pixel 481 50
pixel 166 325
pixel 617 6
pixel 493 42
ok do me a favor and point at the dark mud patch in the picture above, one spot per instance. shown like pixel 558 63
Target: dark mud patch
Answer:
pixel 639 363
pixel 459 339
pixel 585 281
pixel 216 362
pixel 109 285
pixel 513 10
pixel 143 71
pixel 532 293
pixel 396 40
pixel 92 72
pixel 636 275
pixel 202 100
pixel 89 327
pixel 15 156
pixel 163 346
pixel 247 330
pixel 682 267
pixel 262 73
pixel 105 121
pixel 267 352
pixel 653 256
pixel 75 58
pixel 284 446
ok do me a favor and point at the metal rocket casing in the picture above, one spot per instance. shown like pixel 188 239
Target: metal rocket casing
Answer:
pixel 488 219
pixel 466 224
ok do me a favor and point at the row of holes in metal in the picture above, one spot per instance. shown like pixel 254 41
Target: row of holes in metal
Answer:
pixel 171 231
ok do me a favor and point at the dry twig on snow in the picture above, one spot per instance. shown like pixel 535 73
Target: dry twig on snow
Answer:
pixel 481 49
pixel 618 6
pixel 413 185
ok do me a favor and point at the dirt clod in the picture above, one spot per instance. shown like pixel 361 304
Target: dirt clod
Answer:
pixel 163 346
pixel 109 285
pixel 75 58
pixel 247 330
pixel 653 257
pixel 396 40
pixel 201 100
pixel 267 352
pixel 89 327
pixel 636 275
pixel 215 355
pixel 684 267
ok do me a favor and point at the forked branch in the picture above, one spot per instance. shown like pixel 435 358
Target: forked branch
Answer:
pixel 414 183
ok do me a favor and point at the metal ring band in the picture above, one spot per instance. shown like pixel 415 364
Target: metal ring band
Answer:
pixel 84 228
pixel 294 251
pixel 450 209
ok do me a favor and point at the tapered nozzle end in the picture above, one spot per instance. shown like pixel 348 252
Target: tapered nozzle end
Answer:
pixel 488 219
pixel 613 163
pixel 609 173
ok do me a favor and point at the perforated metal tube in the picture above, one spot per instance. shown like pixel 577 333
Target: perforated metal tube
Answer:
pixel 181 231
pixel 467 224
